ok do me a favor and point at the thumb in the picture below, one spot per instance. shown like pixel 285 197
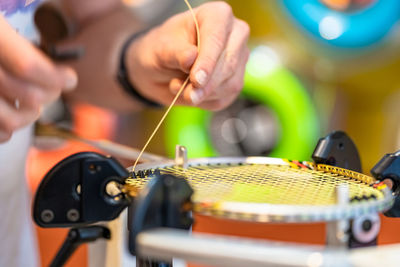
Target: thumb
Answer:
pixel 179 57
pixel 187 58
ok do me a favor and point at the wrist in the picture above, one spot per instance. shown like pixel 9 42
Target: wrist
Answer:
pixel 126 70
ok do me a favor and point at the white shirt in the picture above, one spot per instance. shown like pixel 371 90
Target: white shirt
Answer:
pixel 17 240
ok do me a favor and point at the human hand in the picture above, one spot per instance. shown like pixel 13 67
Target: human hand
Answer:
pixel 160 61
pixel 28 80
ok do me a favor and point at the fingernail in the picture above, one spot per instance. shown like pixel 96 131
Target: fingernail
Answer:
pixel 71 79
pixel 196 96
pixel 201 77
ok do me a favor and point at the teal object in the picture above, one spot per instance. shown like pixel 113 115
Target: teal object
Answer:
pixel 266 83
pixel 353 29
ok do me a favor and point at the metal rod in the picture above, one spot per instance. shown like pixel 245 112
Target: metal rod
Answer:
pixel 181 156
pixel 165 244
pixel 107 146
pixel 337 231
pixel 215 250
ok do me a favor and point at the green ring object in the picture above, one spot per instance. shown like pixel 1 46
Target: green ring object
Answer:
pixel 275 87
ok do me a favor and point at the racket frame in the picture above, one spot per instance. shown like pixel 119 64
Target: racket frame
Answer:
pixel 277 213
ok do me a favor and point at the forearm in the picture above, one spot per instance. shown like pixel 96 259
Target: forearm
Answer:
pixel 102 33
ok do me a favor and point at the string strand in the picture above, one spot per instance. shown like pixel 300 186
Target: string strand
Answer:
pixel 177 95
pixel 196 24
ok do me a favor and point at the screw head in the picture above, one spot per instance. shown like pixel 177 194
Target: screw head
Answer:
pixel 73 215
pixel 47 216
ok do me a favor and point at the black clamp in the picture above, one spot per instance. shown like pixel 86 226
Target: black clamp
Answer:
pixel 337 149
pixel 389 168
pixel 75 192
pixel 164 202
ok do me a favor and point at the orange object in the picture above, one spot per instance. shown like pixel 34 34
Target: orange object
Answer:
pixel 313 233
pixel 338 4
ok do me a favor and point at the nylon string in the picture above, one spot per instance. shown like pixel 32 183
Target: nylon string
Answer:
pixel 177 95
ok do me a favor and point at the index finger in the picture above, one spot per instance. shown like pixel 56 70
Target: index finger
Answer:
pixel 216 22
pixel 22 59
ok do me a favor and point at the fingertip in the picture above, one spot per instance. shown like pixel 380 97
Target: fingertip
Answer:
pixel 175 85
pixel 188 95
pixel 199 78
pixel 196 95
pixel 69 78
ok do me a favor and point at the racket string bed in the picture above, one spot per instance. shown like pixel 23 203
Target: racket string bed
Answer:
pixel 272 184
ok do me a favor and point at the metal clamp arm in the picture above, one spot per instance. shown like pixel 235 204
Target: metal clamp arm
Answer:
pixel 389 168
pixel 76 237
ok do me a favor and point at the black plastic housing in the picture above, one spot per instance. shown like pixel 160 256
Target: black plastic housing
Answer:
pixel 73 192
pixel 337 149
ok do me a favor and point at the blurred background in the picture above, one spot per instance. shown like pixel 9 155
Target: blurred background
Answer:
pixel 315 66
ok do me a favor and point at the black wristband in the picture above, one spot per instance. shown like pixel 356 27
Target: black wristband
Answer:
pixel 123 77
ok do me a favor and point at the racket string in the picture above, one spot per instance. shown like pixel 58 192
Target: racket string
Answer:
pixel 176 96
pixel 273 184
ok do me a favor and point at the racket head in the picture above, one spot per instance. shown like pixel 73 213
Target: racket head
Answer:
pixel 264 189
